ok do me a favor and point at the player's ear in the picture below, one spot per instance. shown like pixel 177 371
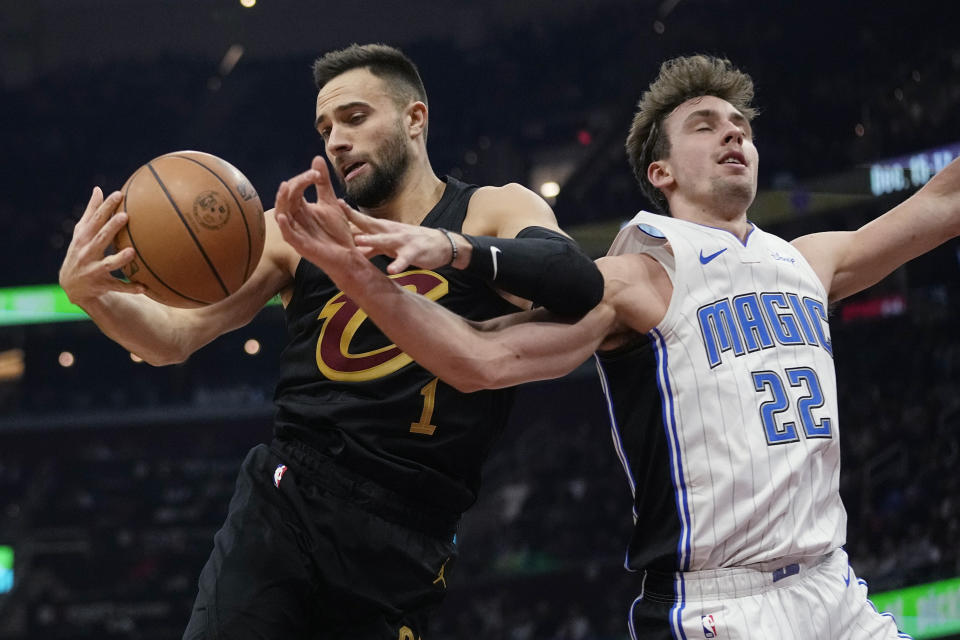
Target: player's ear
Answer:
pixel 416 119
pixel 660 174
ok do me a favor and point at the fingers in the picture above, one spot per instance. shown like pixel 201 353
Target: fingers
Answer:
pixel 96 199
pixel 97 211
pixel 286 227
pixel 387 244
pixel 129 287
pixel 348 210
pixel 119 260
pixel 294 233
pixel 367 224
pixel 290 194
pixel 104 237
pixel 322 182
pixel 281 201
pixel 107 208
pixel 398 265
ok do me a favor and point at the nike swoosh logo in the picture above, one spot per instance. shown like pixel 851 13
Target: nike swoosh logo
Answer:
pixel 847 577
pixel 705 259
pixel 494 251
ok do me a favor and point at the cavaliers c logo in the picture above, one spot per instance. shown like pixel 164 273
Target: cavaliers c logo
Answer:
pixel 342 318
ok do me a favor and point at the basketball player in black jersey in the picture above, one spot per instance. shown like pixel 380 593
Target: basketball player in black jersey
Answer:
pixel 735 535
pixel 344 526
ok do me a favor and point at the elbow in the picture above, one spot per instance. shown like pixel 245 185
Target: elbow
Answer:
pixel 478 376
pixel 589 291
pixel 582 290
pixel 164 358
pixel 466 381
pixel 466 386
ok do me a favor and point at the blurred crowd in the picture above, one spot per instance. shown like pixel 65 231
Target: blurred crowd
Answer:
pixel 884 87
pixel 111 525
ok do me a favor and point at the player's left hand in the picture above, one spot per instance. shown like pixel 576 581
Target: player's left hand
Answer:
pixel 319 231
pixel 407 244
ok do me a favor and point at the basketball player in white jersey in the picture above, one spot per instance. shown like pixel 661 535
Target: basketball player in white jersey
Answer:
pixel 714 352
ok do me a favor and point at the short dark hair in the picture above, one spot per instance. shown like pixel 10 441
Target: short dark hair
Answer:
pixel 679 80
pixel 385 62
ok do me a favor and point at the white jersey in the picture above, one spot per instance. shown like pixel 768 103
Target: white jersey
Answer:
pixel 736 460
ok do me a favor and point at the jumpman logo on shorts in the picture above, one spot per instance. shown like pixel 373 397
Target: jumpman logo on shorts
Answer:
pixel 440 577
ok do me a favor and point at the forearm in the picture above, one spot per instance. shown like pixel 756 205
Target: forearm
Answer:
pixel 540 265
pixel 147 328
pixel 468 355
pixel 852 261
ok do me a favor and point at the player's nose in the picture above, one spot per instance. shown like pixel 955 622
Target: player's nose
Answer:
pixel 732 133
pixel 338 141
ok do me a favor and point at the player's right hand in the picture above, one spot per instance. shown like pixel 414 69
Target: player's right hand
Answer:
pixel 85 272
pixel 407 244
pixel 319 231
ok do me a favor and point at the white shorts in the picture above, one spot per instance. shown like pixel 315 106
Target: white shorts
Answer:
pixel 817 599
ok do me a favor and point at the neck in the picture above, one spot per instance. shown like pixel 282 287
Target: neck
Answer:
pixel 729 218
pixel 419 191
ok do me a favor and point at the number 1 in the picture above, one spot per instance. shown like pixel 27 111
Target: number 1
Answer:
pixel 429 393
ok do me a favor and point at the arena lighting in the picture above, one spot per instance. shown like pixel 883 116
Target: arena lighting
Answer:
pixel 231 58
pixel 910 171
pixel 929 610
pixel 38 304
pixel 11 364
pixel 66 359
pixel 6 568
pixel 874 307
pixel 247 3
pixel 251 347
pixel 136 358
pixel 549 189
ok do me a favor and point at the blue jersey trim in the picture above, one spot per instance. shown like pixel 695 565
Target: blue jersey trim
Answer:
pixel 885 614
pixel 676 612
pixel 618 447
pixel 673 440
pixel 615 430
pixel 633 633
pixel 742 242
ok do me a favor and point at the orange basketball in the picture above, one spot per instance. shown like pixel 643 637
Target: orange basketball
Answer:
pixel 197 226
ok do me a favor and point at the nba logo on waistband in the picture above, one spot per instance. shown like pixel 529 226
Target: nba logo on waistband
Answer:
pixel 281 469
pixel 709 623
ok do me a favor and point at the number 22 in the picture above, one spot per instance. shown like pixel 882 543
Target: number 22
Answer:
pixel 787 432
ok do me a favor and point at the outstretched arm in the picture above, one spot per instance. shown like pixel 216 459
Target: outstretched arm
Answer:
pixel 850 261
pixel 467 355
pixel 510 237
pixel 157 333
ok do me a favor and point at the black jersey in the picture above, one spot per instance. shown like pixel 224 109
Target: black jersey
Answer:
pixel 628 376
pixel 346 390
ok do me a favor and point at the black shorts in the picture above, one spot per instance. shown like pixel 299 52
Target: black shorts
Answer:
pixel 310 550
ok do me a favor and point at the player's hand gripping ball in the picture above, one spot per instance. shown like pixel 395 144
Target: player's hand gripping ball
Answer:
pixel 197 226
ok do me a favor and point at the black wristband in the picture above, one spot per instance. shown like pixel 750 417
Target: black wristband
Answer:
pixel 541 265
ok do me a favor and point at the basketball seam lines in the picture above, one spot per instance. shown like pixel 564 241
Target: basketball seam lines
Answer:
pixel 133 243
pixel 196 240
pixel 247 271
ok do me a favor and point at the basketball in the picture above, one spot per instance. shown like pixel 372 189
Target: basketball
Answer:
pixel 196 224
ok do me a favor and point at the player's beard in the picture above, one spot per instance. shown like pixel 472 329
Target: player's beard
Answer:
pixel 385 174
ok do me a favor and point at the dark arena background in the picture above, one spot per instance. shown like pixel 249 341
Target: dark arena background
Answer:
pixel 114 475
